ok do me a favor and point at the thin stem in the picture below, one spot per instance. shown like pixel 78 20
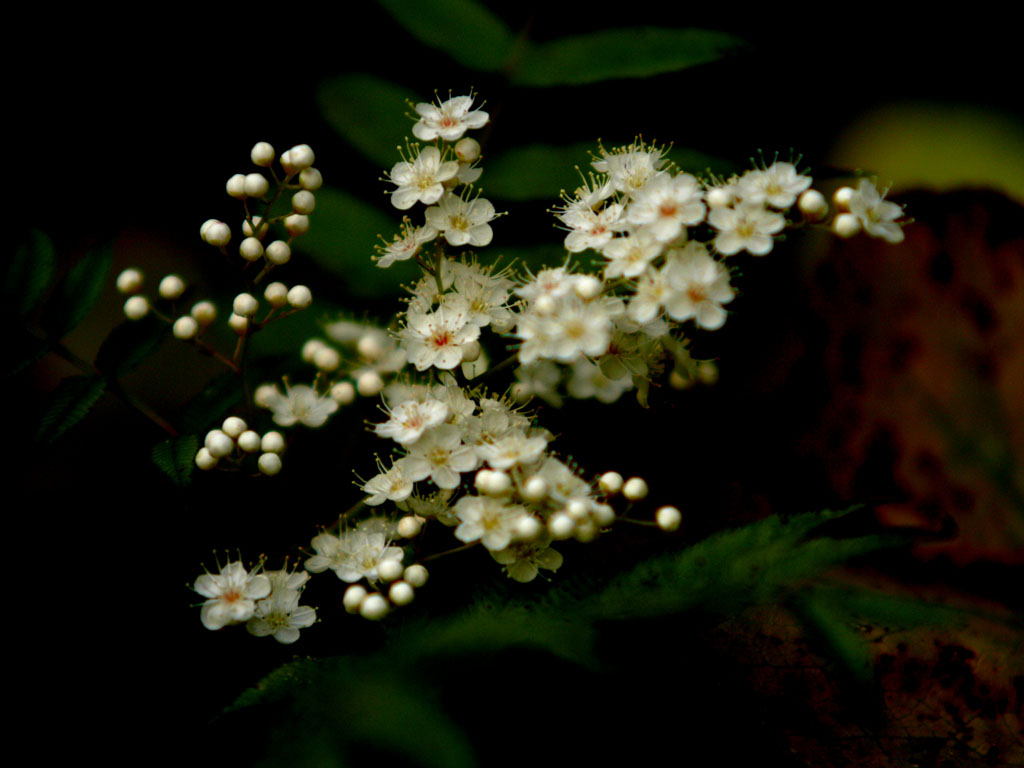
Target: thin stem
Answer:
pixel 463 548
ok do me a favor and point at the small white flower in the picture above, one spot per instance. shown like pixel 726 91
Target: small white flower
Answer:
pixel 778 185
pixel 422 179
pixel 448 120
pixel 394 484
pixel 437 338
pixel 630 168
pixel 666 205
pixel 281 616
pixel 404 245
pixel 301 404
pixel 747 227
pixel 462 222
pixel 411 418
pixel 440 455
pixel 491 520
pixel 523 561
pixel 231 595
pixel 876 215
pixel 700 285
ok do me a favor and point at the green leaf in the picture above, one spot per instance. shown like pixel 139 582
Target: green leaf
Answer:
pixel 176 458
pixel 209 406
pixel 369 113
pixel 69 404
pixel 619 53
pixel 343 240
pixel 465 30
pixel 76 293
pixel 28 274
pixel 129 344
pixel 535 171
pixel 21 349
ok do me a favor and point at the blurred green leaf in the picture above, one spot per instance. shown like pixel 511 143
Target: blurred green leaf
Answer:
pixel 343 239
pixel 69 403
pixel 28 274
pixel 369 113
pixel 176 458
pixel 619 53
pixel 465 30
pixel 21 349
pixel 210 405
pixel 129 344
pixel 76 294
pixel 535 171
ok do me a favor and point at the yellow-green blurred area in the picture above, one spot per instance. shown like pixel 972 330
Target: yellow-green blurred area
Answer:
pixel 936 146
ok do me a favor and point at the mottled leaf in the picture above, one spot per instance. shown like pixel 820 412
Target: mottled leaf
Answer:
pixel 27 274
pixel 69 404
pixel 176 458
pixel 76 294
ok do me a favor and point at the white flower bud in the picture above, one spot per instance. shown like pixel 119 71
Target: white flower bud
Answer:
pixel 492 482
pixel 236 186
pixel 343 393
pixel 218 443
pixel 668 518
pixel 354 597
pixel 813 205
pixel 259 224
pixel 587 287
pixel 544 305
pixel 300 157
pixel 256 185
pixel 561 526
pixel 585 532
pixel 278 252
pixel 171 287
pixel 467 149
pixel 707 372
pixel 262 154
pixel 250 249
pixel 409 527
pixel 327 359
pixel 296 224
pixel 185 328
pixel 401 593
pixel 676 380
pixel 245 304
pixel 238 324
pixel 603 515
pixel 249 441
pixel 471 352
pixel 846 225
pixel 136 308
pixel 272 442
pixel 717 197
pixel 576 509
pixel 311 179
pixel 416 575
pixel 233 426
pixel 216 233
pixel 535 489
pixel 300 297
pixel 276 294
pixel 205 227
pixel 310 348
pixel 129 281
pixel 369 346
pixel 528 528
pixel 635 489
pixel 390 570
pixel 204 460
pixel 610 482
pixel 842 197
pixel 303 201
pixel 264 395
pixel 269 464
pixel 369 384
pixel 204 312
pixel 374 607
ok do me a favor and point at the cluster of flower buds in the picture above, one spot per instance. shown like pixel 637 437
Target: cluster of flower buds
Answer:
pixel 234 441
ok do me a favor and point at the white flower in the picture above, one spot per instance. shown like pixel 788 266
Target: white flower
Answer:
pixel 404 245
pixel 778 185
pixel 523 561
pixel 489 519
pixel 462 222
pixel 440 455
pixel 422 180
pixel 747 227
pixel 700 285
pixel 667 204
pixel 629 256
pixel 391 485
pixel 589 380
pixel 303 405
pixel 448 120
pixel 281 616
pixel 875 214
pixel 630 168
pixel 364 550
pixel 411 418
pixel 231 595
pixel 437 338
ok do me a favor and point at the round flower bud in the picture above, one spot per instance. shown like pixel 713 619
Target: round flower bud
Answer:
pixel 262 154
pixel 301 157
pixel 534 489
pixel 668 518
pixel 587 287
pixel 409 527
pixel 257 221
pixel 528 528
pixel 136 308
pixel 218 443
pixel 374 607
pixel 813 205
pixel 245 304
pixel 717 197
pixel 401 593
pixel 233 426
pixel 272 442
pixel 204 312
pixel 369 384
pixel 256 185
pixel 327 359
pixel 185 327
pixel 249 441
pixel 416 575
pixel 471 352
pixel 269 464
pixel 236 186
pixel 171 287
pixel 635 489
pixel 205 227
pixel 842 196
pixel 250 249
pixel 311 179
pixel 561 526
pixel 610 482
pixel 278 252
pixel 585 532
pixel 310 348
pixel 129 281
pixel 303 201
pixel 707 372
pixel 354 597
pixel 264 395
pixel 300 297
pixel 603 515
pixel 369 346
pixel 390 570
pixel 216 233
pixel 238 324
pixel 576 509
pixel 204 460
pixel 676 380
pixel 545 305
pixel 846 225
pixel 296 224
pixel 276 294
pixel 467 149
pixel 343 393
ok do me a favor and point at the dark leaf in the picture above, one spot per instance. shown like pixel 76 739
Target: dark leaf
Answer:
pixel 69 404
